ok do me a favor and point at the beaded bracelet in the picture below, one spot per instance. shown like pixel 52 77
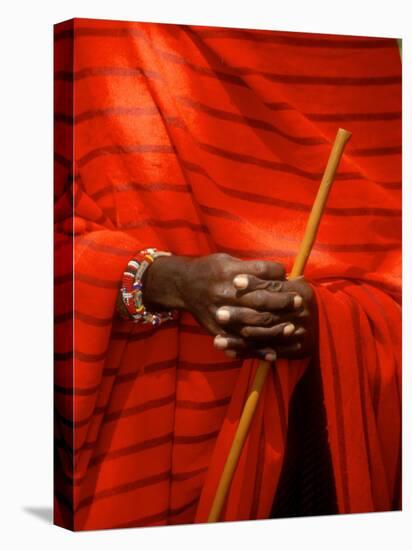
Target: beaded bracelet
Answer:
pixel 132 289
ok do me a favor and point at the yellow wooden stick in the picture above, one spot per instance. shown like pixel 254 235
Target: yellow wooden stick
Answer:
pixel 342 137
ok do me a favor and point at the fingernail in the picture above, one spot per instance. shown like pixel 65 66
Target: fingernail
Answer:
pixel 288 329
pixel 231 353
pixel 300 331
pixel 220 342
pixel 270 357
pixel 241 281
pixel 297 301
pixel 223 314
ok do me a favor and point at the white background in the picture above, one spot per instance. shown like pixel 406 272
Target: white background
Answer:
pixel 26 272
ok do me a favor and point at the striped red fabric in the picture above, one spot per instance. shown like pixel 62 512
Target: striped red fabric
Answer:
pixel 196 140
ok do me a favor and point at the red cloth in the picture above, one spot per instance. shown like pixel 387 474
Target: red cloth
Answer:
pixel 196 140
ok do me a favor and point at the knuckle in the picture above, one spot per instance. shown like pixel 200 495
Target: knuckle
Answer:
pixel 275 286
pixel 277 319
pixel 234 315
pixel 221 256
pixel 260 268
pixel 259 298
pixel 281 270
pixel 221 263
pixel 266 319
pixel 305 290
pixel 246 332
pixel 216 292
pixel 285 300
pixel 275 330
pixel 225 272
pixel 304 314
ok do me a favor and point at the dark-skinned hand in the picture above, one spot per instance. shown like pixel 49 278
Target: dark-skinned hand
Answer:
pixel 271 326
pixel 249 306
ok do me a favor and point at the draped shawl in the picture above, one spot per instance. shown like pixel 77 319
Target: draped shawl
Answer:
pixel 198 140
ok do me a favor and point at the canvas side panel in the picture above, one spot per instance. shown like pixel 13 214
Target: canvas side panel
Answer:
pixel 63 275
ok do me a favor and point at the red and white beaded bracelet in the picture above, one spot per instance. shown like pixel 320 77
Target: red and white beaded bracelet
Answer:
pixel 132 289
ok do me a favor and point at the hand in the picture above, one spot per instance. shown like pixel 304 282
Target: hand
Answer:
pixel 204 284
pixel 248 305
pixel 271 326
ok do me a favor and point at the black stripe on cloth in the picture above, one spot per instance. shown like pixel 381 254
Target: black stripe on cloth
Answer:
pixel 89 72
pixel 82 392
pixel 128 450
pixel 279 106
pixel 218 213
pixel 217 151
pixel 91 244
pixel 95 281
pixel 116 415
pixel 249 121
pixel 138 447
pixel 110 111
pixel 143 332
pixel 143 407
pixel 124 150
pixel 268 164
pixel 63 161
pixel 63 317
pixel 202 405
pixel 353 117
pixel 310 80
pixel 209 367
pixel 183 476
pixel 166 224
pixel 159 517
pixel 196 438
pixel 119 32
pixel 237 74
pixel 235 77
pixel 174 476
pixel 80 356
pixel 92 320
pixel 150 368
pixel 124 488
pixel 289 40
pixel 141 187
pixel 376 151
pixel 289 205
pixel 282 253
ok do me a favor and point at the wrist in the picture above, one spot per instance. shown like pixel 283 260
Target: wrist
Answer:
pixel 164 283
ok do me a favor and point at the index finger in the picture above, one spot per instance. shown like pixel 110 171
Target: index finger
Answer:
pixel 264 269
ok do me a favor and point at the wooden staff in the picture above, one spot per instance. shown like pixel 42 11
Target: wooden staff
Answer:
pixel 342 137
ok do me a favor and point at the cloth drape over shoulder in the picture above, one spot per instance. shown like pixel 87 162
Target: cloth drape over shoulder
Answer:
pixel 198 140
